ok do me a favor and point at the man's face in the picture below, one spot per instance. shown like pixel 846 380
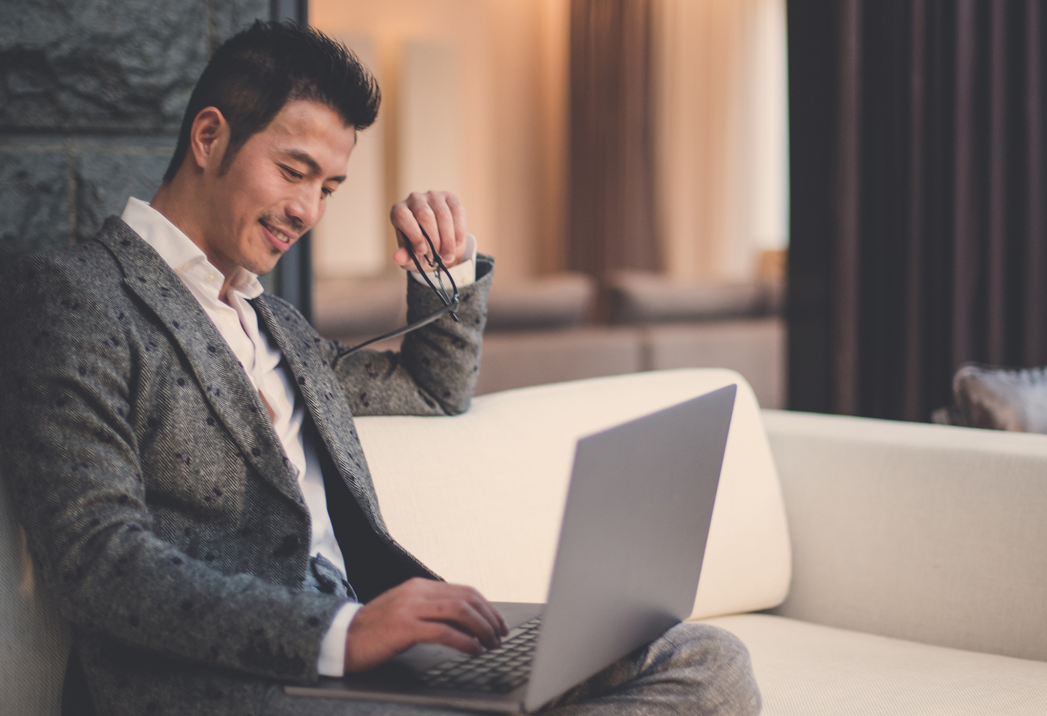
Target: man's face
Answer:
pixel 276 187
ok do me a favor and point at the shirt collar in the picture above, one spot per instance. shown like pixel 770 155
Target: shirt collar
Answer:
pixel 179 251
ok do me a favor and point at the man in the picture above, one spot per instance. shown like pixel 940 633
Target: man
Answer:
pixel 182 446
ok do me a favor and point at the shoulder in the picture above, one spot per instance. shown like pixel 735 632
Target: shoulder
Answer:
pixel 89 265
pixel 66 293
pixel 85 269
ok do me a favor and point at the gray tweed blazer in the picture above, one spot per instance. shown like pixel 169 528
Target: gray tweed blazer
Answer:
pixel 157 500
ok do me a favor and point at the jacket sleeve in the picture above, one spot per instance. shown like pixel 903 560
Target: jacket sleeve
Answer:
pixel 435 371
pixel 69 448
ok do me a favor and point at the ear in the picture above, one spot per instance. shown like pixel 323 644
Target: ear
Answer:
pixel 208 137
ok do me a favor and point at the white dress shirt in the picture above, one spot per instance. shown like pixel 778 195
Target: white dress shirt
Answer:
pixel 261 360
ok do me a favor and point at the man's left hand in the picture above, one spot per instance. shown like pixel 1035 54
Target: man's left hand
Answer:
pixel 442 216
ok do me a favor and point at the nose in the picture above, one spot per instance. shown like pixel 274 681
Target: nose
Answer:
pixel 305 208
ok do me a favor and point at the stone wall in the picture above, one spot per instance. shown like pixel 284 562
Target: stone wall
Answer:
pixel 91 98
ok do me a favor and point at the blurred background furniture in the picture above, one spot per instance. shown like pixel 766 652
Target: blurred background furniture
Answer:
pixel 996 398
pixel 544 331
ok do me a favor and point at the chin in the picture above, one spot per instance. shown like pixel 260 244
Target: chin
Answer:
pixel 261 261
pixel 264 269
pixel 259 266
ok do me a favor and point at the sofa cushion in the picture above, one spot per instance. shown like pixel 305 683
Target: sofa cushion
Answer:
pixel 755 347
pixel 479 497
pixel 642 297
pixel 359 309
pixel 558 301
pixel 805 669
pixel 526 358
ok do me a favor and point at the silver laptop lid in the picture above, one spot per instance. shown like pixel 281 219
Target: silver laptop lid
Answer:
pixel 632 540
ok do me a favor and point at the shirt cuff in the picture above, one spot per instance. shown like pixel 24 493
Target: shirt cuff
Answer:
pixel 332 648
pixel 463 272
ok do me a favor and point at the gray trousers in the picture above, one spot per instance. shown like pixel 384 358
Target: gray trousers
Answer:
pixel 691 669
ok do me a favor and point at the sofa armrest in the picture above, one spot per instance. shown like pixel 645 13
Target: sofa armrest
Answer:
pixel 923 532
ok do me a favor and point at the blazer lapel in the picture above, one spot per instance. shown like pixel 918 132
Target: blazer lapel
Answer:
pixel 222 378
pixel 326 405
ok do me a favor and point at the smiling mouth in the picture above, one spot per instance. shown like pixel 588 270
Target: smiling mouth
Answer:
pixel 277 237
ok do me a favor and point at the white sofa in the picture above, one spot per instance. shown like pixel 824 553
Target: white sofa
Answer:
pixel 871 567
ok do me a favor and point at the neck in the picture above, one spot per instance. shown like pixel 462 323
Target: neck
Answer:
pixel 179 201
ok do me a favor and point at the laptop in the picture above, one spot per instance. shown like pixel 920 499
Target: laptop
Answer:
pixel 631 546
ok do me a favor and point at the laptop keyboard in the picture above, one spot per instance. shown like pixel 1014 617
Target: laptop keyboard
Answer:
pixel 496 670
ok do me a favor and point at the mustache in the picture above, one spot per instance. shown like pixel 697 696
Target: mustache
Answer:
pixel 293 223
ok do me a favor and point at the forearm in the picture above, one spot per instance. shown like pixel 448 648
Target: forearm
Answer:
pixel 436 369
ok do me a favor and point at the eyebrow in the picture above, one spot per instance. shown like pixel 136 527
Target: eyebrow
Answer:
pixel 307 160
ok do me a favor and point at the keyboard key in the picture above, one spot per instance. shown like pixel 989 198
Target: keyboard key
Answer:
pixel 496 670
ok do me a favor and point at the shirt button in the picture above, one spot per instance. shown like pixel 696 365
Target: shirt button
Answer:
pixel 211 277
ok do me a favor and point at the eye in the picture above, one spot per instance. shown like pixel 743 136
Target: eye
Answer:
pixel 327 192
pixel 291 173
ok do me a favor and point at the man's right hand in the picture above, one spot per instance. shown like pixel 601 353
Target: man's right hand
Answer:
pixel 421 611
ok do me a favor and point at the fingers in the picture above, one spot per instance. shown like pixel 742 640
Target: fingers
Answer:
pixel 485 610
pixel 459 225
pixel 461 607
pixel 441 215
pixel 445 224
pixel 422 611
pixel 491 615
pixel 407 229
pixel 468 618
pixel 437 633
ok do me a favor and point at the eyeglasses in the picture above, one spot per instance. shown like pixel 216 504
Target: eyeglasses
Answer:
pixel 450 298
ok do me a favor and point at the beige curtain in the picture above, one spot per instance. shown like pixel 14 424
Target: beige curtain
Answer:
pixel 719 134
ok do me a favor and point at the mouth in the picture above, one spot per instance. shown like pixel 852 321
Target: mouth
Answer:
pixel 278 238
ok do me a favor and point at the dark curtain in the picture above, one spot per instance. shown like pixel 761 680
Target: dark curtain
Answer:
pixel 610 213
pixel 917 140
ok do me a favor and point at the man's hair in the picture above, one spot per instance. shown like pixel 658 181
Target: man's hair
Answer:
pixel 253 74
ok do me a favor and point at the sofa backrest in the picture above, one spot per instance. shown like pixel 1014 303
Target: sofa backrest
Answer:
pixel 34 641
pixel 479 497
